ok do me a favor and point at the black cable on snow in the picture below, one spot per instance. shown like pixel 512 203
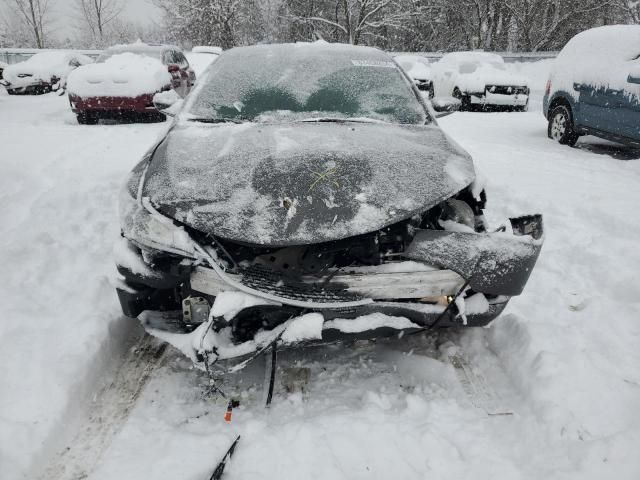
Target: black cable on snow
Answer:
pixel 217 473
pixel 272 378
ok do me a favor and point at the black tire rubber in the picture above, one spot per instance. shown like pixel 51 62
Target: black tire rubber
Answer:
pixel 87 119
pixel 560 127
pixel 464 99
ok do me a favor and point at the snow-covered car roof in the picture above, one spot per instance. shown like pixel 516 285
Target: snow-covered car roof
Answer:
pixel 474 57
pixel 200 61
pixel 416 66
pixel 140 48
pixel 602 56
pixel 52 61
pixel 207 49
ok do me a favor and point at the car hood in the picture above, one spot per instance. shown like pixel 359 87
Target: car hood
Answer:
pixel 301 183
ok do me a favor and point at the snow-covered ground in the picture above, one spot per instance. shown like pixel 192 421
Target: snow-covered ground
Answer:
pixel 561 366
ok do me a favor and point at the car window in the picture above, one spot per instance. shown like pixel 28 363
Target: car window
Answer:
pixel 74 62
pixel 181 60
pixel 467 67
pixel 291 84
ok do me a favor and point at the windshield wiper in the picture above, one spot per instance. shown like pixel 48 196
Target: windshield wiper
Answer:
pixel 342 120
pixel 215 120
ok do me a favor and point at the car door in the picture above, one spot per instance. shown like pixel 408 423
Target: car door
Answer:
pixel 630 110
pixel 599 108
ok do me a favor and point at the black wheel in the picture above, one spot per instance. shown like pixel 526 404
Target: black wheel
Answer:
pixel 431 91
pixel 464 99
pixel 87 119
pixel 561 126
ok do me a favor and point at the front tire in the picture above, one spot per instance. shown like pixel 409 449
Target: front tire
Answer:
pixel 464 99
pixel 561 128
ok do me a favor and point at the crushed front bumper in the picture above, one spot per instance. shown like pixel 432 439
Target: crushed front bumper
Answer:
pixel 495 266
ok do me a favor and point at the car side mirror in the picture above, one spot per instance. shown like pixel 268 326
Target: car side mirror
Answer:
pixel 168 102
pixel 173 67
pixel 445 106
pixel 634 78
pixel 578 86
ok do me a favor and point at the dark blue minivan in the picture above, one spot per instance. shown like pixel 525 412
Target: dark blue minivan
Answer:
pixel 594 87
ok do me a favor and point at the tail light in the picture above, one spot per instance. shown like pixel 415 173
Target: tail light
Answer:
pixel 547 89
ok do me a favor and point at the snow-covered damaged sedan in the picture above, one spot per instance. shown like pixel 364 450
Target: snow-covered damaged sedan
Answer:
pixel 305 193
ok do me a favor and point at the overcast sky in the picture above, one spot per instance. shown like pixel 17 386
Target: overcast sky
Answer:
pixel 139 11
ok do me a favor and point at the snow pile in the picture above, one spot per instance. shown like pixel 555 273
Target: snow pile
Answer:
pixel 41 67
pixel 601 57
pixel 122 75
pixel 62 324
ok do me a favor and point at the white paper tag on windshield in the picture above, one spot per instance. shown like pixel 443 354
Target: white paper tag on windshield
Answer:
pixel 373 63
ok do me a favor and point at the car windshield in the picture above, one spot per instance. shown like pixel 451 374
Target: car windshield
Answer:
pixel 305 82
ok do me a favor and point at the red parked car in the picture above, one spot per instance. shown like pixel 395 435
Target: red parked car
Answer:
pixel 124 80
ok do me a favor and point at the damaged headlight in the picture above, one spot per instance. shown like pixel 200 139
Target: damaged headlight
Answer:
pixel 146 227
pixel 458 211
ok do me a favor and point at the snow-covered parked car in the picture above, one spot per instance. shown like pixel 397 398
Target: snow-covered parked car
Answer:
pixel 418 69
pixel 201 57
pixel 594 87
pixel 480 80
pixel 305 193
pixel 124 80
pixel 43 72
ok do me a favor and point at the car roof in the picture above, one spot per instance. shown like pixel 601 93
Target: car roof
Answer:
pixel 478 56
pixel 142 47
pixel 308 49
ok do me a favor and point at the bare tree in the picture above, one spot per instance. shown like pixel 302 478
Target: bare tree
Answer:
pixel 630 10
pixel 35 15
pixel 98 15
pixel 545 24
pixel 351 20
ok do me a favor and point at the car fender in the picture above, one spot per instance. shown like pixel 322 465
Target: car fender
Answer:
pixel 496 263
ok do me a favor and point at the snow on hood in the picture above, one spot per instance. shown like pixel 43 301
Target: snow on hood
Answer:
pixel 41 67
pixel 122 75
pixel 601 57
pixel 299 183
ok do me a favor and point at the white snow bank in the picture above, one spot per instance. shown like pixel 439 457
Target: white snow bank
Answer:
pixel 123 75
pixel 59 187
pixel 601 57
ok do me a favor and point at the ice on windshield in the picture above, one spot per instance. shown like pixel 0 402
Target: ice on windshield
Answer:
pixel 306 81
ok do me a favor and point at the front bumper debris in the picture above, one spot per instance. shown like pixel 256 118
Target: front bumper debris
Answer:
pixel 409 296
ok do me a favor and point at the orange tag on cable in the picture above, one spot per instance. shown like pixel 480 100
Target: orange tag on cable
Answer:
pixel 228 414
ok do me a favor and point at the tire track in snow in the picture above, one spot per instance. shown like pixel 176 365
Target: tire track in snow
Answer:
pixel 107 412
